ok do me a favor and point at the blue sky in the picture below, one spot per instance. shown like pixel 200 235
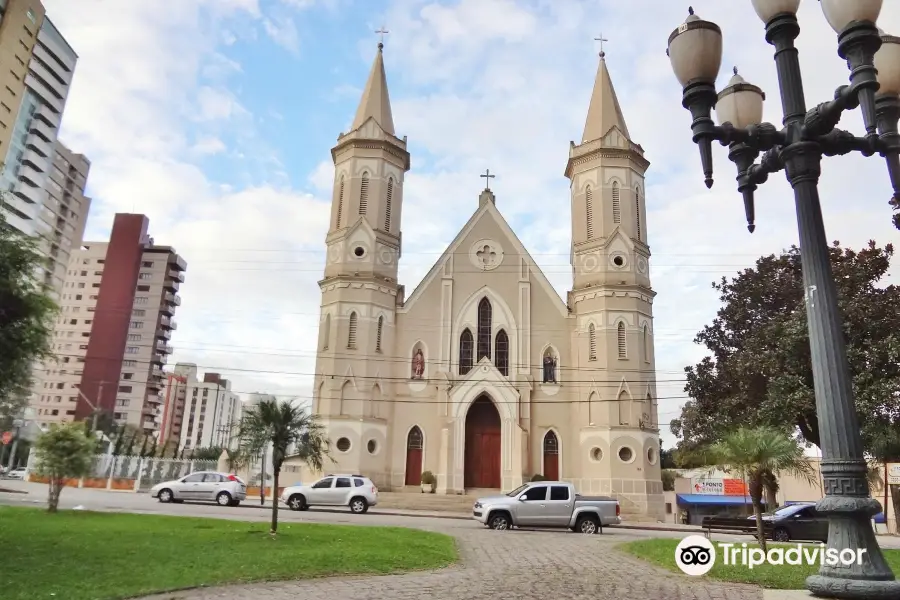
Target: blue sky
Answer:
pixel 216 118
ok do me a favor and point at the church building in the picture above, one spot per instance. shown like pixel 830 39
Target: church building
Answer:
pixel 483 375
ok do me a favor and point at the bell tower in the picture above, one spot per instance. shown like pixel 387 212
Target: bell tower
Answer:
pixel 612 299
pixel 360 291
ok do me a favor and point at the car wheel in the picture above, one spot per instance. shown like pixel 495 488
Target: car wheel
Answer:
pixel 500 522
pixel 297 502
pixel 781 535
pixel 165 495
pixel 223 499
pixel 359 506
pixel 587 524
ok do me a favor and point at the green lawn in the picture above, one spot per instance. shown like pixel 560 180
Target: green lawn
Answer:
pixel 780 577
pixel 75 555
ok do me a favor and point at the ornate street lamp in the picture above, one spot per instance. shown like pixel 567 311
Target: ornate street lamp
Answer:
pixel 873 59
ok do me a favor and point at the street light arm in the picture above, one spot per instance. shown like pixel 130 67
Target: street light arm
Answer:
pixel 761 137
pixel 823 118
pixel 839 142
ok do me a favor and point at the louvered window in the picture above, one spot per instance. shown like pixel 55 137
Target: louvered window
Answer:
pixel 387 204
pixel 351 332
pixel 592 342
pixel 589 207
pixel 617 206
pixel 364 194
pixel 620 339
pixel 637 211
pixel 340 206
pixel 378 334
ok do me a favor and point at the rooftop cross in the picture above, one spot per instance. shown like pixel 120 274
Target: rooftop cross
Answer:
pixel 601 39
pixel 381 31
pixel 487 178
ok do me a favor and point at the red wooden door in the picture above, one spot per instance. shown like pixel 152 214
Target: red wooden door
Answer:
pixel 482 454
pixel 414 446
pixel 551 456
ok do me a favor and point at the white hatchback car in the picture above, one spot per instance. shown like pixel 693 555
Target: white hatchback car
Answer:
pixel 203 486
pixel 355 491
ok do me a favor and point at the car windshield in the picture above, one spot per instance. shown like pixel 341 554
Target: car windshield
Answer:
pixel 785 511
pixel 517 491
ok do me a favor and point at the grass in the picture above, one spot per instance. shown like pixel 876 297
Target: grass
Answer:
pixel 80 555
pixel 661 552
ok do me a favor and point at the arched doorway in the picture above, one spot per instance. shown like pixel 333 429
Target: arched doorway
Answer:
pixel 551 456
pixel 482 459
pixel 414 446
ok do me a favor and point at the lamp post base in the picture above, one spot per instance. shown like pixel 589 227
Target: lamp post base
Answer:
pixel 868 577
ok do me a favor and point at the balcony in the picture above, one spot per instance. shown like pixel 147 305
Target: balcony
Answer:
pixel 158 359
pixel 48 116
pixel 43 130
pixel 167 309
pixel 177 263
pixel 154 383
pixel 168 323
pixel 173 299
pixel 171 284
pixel 44 90
pixel 164 348
pixel 30 175
pixel 39 145
pixel 163 334
pixel 178 275
pixel 157 372
pixel 42 52
pixel 153 398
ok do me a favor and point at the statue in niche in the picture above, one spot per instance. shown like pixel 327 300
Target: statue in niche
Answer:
pixel 549 367
pixel 418 364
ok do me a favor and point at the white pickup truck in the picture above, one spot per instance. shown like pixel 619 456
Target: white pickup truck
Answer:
pixel 547 504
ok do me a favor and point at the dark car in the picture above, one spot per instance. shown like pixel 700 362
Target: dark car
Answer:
pixel 797 522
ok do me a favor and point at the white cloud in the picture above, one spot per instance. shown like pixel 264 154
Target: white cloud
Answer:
pixel 510 90
pixel 283 31
pixel 209 145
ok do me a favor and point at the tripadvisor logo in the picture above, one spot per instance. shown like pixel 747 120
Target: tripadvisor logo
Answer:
pixel 696 555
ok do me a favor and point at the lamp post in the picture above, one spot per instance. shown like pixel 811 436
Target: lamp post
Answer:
pixel 873 59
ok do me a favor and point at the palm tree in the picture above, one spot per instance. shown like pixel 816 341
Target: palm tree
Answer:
pixel 282 424
pixel 761 453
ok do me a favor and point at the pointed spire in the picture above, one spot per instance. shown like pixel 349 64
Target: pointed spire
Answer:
pixel 375 102
pixel 604 111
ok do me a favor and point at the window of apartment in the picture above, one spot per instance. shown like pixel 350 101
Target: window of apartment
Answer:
pixel 143 288
pixel 140 299
pixel 130 350
pixel 95 285
pixel 86 334
pixel 100 261
pixel 127 375
pixel 80 359
pixel 73 322
pixel 145 276
pixel 82 347
pixel 89 309
pixel 83 273
pixel 134 337
pixel 93 297
pixel 147 264
pixel 137 324
pixel 138 312
pixel 88 321
pixel 81 285
pixel 78 297
pixel 98 272
pixel 60 386
pixel 129 363
pixel 125 389
pixel 123 402
pixel 118 415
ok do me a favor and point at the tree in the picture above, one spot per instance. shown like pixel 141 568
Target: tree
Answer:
pixel 756 454
pixel 668 480
pixel 210 453
pixel 759 370
pixel 886 449
pixel 666 457
pixel 283 425
pixel 64 452
pixel 26 318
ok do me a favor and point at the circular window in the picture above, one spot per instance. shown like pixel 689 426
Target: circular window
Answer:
pixel 359 251
pixel 596 454
pixel 626 454
pixel 619 261
pixel 651 456
pixel 343 444
pixel 372 446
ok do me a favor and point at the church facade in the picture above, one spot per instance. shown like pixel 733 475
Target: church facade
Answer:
pixel 483 375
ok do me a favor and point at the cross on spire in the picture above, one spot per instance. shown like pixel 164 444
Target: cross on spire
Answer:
pixel 381 31
pixel 601 39
pixel 487 178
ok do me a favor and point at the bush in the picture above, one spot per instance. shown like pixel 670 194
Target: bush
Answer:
pixel 428 478
pixel 539 477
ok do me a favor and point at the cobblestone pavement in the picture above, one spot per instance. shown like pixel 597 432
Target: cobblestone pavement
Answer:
pixel 518 565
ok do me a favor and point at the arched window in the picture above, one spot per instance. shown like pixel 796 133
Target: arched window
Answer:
pixel 645 343
pixel 637 211
pixel 351 331
pixel 466 351
pixel 501 352
pixel 650 412
pixel 617 206
pixel 589 208
pixel 592 342
pixel 379 333
pixel 624 409
pixel 484 329
pixel 340 206
pixel 326 332
pixel 387 204
pixel 620 340
pixel 364 194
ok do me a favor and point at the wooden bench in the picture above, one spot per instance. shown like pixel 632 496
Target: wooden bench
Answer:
pixel 734 525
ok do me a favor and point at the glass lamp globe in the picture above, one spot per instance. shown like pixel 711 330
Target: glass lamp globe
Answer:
pixel 695 50
pixel 767 9
pixel 740 103
pixel 887 61
pixel 840 13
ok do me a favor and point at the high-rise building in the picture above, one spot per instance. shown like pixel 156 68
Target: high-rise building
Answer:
pixel 20 21
pixel 35 113
pixel 205 412
pixel 111 339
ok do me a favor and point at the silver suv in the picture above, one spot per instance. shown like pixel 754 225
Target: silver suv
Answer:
pixel 355 491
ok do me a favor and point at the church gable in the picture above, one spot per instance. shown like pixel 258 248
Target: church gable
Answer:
pixel 486 245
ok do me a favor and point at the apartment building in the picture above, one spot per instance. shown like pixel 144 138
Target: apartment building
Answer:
pixel 206 412
pixel 35 115
pixel 20 22
pixel 112 338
